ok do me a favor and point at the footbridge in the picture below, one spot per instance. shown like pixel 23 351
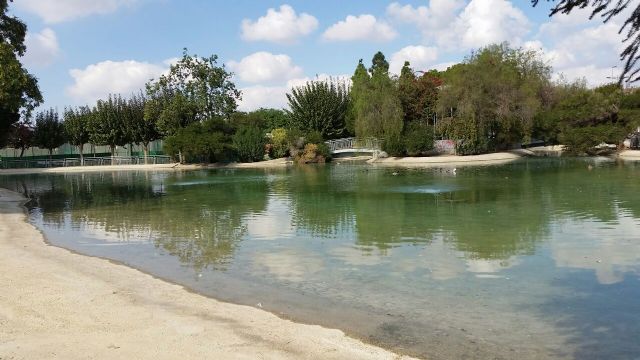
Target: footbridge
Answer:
pixel 354 145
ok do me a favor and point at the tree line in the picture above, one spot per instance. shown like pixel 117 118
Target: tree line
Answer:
pixel 498 98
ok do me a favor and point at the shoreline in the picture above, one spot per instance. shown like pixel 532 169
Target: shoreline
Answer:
pixel 453 160
pixel 59 304
pixel 270 164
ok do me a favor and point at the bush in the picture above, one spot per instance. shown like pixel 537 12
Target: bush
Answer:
pixel 197 144
pixel 313 137
pixel 394 146
pixel 418 139
pixel 583 140
pixel 249 142
pixel 323 150
pixel 279 143
pixel 310 154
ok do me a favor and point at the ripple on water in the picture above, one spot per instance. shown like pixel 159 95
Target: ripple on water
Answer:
pixel 425 189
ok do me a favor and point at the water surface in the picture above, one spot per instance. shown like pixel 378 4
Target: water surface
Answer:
pixel 537 259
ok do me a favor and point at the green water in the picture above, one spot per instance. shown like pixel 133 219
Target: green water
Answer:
pixel 537 259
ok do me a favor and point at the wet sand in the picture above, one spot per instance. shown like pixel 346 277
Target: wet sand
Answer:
pixel 56 304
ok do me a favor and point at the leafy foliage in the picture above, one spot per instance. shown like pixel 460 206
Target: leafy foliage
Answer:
pixel 195 89
pixel 377 109
pixel 140 128
pixel 21 136
pixel 418 139
pixel 279 143
pixel 418 94
pixel 49 131
pixel 19 92
pixel 76 127
pixel 249 142
pixel 107 125
pixel 321 106
pixel 207 141
pixel 273 118
pixel 494 95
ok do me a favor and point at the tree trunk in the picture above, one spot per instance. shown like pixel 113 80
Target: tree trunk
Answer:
pixel 50 156
pixel 146 152
pixel 113 150
pixel 180 159
pixel 21 152
pixel 81 154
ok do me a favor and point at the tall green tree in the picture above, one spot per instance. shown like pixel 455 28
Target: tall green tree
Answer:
pixel 408 93
pixel 76 127
pixel 494 96
pixel 107 125
pixel 195 89
pixel 21 136
pixel 49 131
pixel 320 106
pixel 377 109
pixel 360 82
pixel 141 129
pixel 19 92
pixel 273 118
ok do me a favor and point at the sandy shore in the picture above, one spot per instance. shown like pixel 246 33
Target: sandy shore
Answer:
pixel 629 154
pixel 277 163
pixel 453 160
pixel 268 164
pixel 55 304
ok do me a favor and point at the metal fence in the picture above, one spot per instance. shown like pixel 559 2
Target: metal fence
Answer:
pixel 88 161
pixel 369 143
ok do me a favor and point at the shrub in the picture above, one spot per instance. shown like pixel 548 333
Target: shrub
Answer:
pixel 583 140
pixel 418 139
pixel 394 146
pixel 279 143
pixel 249 142
pixel 313 137
pixel 197 144
pixel 310 154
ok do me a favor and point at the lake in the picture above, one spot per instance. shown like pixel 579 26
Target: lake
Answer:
pixel 535 259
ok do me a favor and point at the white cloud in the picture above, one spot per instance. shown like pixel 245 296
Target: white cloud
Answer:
pixel 42 47
pixel 577 48
pixel 264 67
pixel 96 81
pixel 420 57
pixel 485 22
pixel 284 26
pixel 363 27
pixel 480 23
pixel 260 96
pixel 57 11
pixel 438 14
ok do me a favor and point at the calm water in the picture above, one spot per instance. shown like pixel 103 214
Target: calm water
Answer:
pixel 538 259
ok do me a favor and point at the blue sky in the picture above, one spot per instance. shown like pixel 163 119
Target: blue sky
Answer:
pixel 82 50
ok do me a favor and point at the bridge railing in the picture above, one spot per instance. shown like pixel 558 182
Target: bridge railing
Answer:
pixel 368 143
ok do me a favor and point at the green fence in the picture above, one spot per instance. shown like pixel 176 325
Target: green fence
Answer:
pixel 67 150
pixel 68 155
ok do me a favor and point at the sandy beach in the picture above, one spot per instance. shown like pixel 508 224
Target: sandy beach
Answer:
pixel 629 154
pixel 270 164
pixel 453 160
pixel 55 304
